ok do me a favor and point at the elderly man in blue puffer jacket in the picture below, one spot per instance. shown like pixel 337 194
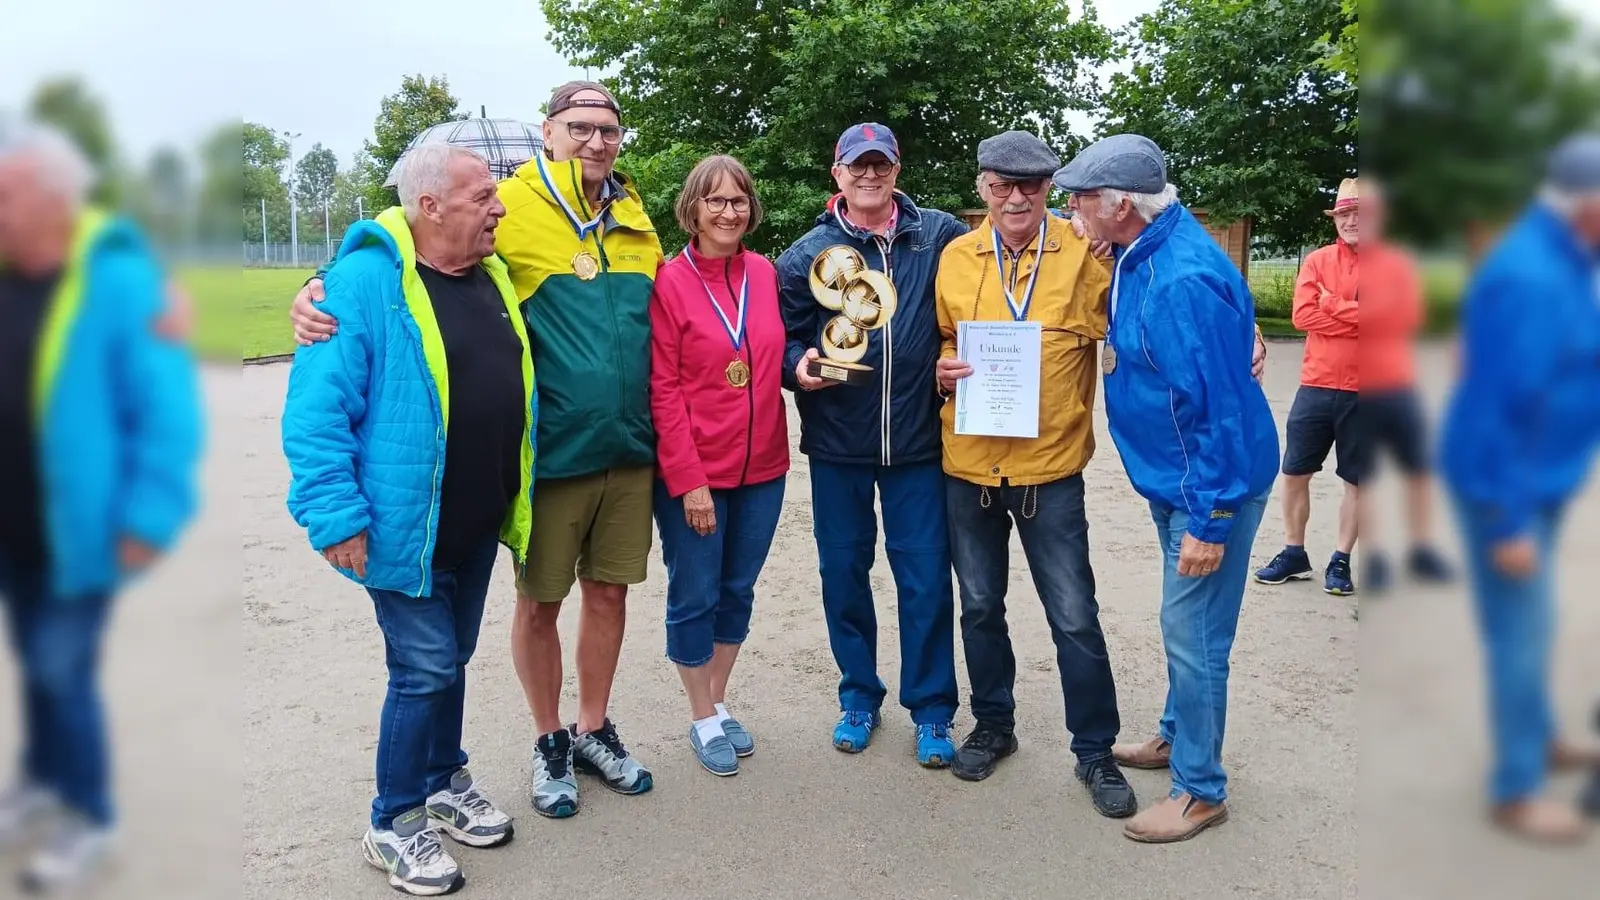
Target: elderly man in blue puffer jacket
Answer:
pixel 410 438
pixel 100 436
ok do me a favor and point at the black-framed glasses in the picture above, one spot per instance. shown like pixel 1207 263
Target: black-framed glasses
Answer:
pixel 1030 188
pixel 583 131
pixel 715 205
pixel 879 167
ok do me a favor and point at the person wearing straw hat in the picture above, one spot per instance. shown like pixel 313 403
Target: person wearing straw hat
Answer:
pixel 1027 266
pixel 1327 309
pixel 582 255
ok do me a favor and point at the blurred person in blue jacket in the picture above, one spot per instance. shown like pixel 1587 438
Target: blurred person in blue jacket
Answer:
pixel 1516 448
pixel 410 440
pixel 1198 442
pixel 100 435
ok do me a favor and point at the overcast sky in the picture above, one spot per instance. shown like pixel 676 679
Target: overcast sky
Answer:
pixel 171 70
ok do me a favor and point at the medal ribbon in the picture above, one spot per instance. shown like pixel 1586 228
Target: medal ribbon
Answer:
pixel 582 228
pixel 735 330
pixel 1019 313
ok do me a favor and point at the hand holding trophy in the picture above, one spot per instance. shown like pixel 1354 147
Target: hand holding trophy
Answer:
pixel 865 301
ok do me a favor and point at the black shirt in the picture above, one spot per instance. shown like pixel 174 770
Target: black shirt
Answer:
pixel 23 302
pixel 483 447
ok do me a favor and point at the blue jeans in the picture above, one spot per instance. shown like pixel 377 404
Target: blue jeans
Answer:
pixel 846 530
pixel 1055 539
pixel 1199 617
pixel 427 644
pixel 1517 621
pixel 711 579
pixel 57 643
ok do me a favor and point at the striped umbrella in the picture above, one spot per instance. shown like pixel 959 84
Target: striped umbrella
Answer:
pixel 504 143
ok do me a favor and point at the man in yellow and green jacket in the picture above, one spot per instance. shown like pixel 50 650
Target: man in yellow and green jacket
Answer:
pixel 582 256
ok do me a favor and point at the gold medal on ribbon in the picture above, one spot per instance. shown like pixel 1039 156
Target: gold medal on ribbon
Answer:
pixel 1108 359
pixel 585 266
pixel 738 374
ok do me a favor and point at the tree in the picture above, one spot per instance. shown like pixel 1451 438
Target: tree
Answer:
pixel 1463 102
pixel 266 156
pixel 1252 121
pixel 221 188
pixel 774 84
pixel 420 103
pixel 161 198
pixel 314 176
pixel 68 105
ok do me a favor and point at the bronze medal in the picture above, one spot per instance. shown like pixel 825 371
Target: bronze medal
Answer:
pixel 585 266
pixel 737 373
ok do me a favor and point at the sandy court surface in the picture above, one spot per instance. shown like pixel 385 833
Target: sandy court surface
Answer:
pixel 802 820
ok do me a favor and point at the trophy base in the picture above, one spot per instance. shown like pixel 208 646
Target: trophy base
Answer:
pixel 840 372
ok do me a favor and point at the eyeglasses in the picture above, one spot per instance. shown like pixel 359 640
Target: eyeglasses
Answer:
pixel 716 205
pixel 879 167
pixel 1003 189
pixel 583 131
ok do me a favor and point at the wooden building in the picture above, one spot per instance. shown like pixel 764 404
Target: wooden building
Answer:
pixel 1234 238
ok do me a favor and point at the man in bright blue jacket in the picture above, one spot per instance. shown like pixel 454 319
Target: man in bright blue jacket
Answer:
pixel 99 445
pixel 883 435
pixel 1517 444
pixel 410 439
pixel 1197 439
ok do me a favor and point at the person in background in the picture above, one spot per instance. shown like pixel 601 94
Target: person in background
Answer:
pixel 722 451
pixel 582 255
pixel 1517 445
pixel 100 442
pixel 1179 312
pixel 1327 308
pixel 1025 265
pixel 1389 407
pixel 878 438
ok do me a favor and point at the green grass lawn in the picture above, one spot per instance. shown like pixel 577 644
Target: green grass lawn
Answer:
pixel 242 312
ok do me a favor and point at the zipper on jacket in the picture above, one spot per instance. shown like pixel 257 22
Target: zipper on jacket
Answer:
pixel 750 388
pixel 885 432
pixel 616 330
pixel 432 534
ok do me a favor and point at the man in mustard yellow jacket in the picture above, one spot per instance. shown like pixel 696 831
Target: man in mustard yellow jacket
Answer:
pixel 1025 265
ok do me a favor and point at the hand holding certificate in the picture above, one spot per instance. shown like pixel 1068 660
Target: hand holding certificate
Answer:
pixel 1001 396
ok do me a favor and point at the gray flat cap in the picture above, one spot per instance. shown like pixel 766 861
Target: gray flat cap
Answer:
pixel 1124 162
pixel 1575 164
pixel 1017 155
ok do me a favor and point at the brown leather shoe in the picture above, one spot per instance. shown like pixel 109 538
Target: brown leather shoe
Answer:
pixel 1174 819
pixel 1152 754
pixel 1542 819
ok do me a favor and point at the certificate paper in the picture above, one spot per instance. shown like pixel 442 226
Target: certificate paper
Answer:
pixel 1001 396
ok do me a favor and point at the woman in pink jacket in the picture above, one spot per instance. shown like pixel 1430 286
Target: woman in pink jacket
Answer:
pixel 716 361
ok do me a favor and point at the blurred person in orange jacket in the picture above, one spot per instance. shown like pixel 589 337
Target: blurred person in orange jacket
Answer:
pixel 1390 411
pixel 1326 308
pixel 1516 447
pixel 100 433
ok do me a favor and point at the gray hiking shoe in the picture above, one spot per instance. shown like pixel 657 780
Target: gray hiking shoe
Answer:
pixel 464 813
pixel 413 856
pixel 555 790
pixel 601 753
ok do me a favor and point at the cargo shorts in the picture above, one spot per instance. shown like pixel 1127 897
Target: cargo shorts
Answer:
pixel 596 527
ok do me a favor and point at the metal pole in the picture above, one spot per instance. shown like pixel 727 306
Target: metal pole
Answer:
pixel 263 231
pixel 327 235
pixel 360 212
pixel 294 207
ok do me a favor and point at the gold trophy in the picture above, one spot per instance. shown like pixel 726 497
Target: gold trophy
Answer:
pixel 865 301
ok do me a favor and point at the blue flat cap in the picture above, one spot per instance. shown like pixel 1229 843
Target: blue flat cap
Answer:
pixel 1124 162
pixel 1575 164
pixel 1017 156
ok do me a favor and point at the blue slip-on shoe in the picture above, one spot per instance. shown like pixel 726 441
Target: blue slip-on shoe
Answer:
pixel 935 749
pixel 743 743
pixel 1291 564
pixel 854 731
pixel 1336 580
pixel 716 756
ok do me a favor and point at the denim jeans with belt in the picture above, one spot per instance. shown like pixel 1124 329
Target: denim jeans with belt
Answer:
pixel 1199 617
pixel 1516 617
pixel 57 643
pixel 427 644
pixel 1054 530
pixel 711 579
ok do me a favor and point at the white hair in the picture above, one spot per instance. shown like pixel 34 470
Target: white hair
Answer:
pixel 62 167
pixel 1565 203
pixel 426 170
pixel 1148 206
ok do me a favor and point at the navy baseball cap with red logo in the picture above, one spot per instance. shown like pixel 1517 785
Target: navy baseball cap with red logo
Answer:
pixel 859 140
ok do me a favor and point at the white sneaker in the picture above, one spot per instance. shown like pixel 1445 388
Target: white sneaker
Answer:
pixel 23 811
pixel 464 813
pixel 413 856
pixel 72 854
